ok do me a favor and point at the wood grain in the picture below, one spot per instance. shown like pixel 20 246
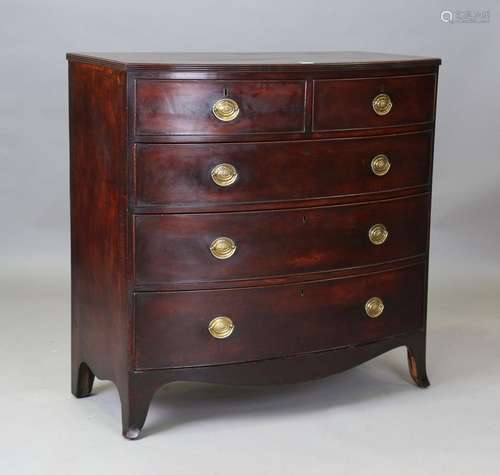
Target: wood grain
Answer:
pixel 341 104
pixel 175 248
pixel 272 322
pixel 99 291
pixel 185 107
pixel 144 210
pixel 178 177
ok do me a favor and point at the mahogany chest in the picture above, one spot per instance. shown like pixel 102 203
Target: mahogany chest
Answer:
pixel 246 219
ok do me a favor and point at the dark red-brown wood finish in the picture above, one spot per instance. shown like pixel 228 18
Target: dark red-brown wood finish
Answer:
pixel 276 320
pixel 185 107
pixel 176 178
pixel 341 103
pixel 175 248
pixel 146 208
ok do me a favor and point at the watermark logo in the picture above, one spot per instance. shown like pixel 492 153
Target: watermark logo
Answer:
pixel 465 16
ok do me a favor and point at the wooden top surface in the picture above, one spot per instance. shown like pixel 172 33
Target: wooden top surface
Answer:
pixel 266 61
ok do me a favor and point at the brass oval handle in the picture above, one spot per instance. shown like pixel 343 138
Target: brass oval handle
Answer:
pixel 224 174
pixel 226 109
pixel 378 234
pixel 380 165
pixel 221 327
pixel 382 104
pixel 223 247
pixel 374 307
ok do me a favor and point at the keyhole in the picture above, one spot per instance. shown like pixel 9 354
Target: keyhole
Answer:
pixel 301 292
pixel 304 219
pixel 225 92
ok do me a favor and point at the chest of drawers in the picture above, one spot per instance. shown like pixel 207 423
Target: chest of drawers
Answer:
pixel 246 219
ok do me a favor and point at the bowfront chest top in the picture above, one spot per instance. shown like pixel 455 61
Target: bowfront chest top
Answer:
pixel 246 219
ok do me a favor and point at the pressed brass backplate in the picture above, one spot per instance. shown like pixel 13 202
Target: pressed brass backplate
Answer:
pixel 221 327
pixel 380 165
pixel 382 104
pixel 223 247
pixel 374 307
pixel 224 174
pixel 226 109
pixel 378 234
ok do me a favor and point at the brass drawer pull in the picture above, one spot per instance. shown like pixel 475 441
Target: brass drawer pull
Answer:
pixel 224 174
pixel 226 109
pixel 382 104
pixel 221 327
pixel 380 165
pixel 223 247
pixel 378 234
pixel 374 307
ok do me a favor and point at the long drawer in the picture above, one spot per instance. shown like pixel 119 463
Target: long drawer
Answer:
pixel 209 247
pixel 204 176
pixel 225 326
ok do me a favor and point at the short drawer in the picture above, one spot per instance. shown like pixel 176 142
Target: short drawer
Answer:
pixel 205 176
pixel 341 104
pixel 210 247
pixel 215 327
pixel 218 107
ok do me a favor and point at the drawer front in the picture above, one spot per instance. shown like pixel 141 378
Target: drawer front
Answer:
pixel 211 175
pixel 171 328
pixel 341 104
pixel 218 107
pixel 192 248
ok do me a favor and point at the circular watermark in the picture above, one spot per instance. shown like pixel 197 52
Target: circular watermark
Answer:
pixel 447 16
